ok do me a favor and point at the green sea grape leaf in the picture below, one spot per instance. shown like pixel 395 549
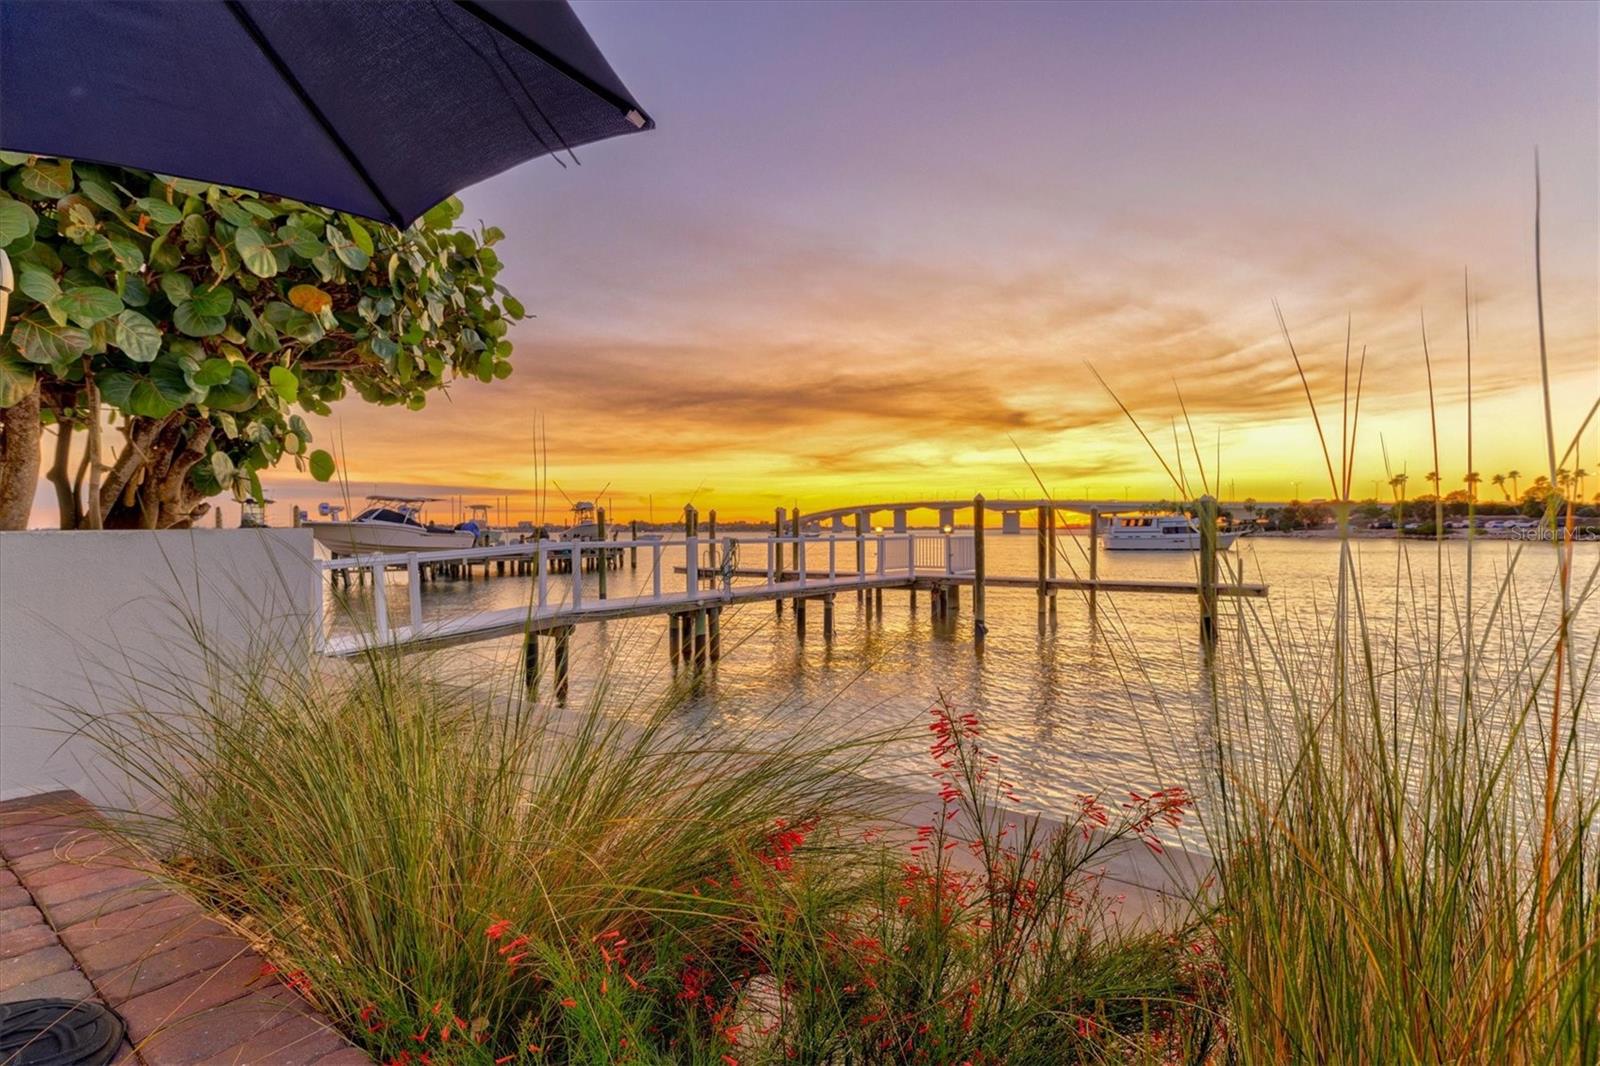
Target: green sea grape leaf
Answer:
pixel 88 304
pixel 137 336
pixel 252 248
pixel 321 464
pixel 16 220
pixel 284 383
pixel 46 343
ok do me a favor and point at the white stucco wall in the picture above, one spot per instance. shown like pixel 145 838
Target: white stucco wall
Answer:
pixel 84 614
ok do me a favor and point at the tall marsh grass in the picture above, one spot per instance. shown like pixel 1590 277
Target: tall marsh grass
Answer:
pixel 1405 811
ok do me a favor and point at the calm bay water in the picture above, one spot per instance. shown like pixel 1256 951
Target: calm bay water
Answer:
pixel 1067 709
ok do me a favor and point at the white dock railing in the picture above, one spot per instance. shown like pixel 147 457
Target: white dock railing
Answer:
pixel 787 563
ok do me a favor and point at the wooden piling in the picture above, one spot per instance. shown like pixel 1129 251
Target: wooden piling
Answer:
pixel 1206 516
pixel 716 633
pixel 674 638
pixel 701 639
pixel 827 617
pixel 979 628
pixel 563 637
pixel 1094 562
pixel 799 544
pixel 861 552
pixel 1050 549
pixel 530 664
pixel 1042 535
pixel 602 563
pixel 800 617
pixel 777 554
pixel 711 541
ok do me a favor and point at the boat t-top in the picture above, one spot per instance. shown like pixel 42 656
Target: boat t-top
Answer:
pixel 1157 532
pixel 392 524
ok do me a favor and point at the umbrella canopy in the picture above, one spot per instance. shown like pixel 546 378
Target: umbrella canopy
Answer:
pixel 381 108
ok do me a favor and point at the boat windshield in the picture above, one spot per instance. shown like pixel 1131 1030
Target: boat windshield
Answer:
pixel 388 514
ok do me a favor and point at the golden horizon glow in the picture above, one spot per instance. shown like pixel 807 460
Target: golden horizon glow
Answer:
pixel 868 257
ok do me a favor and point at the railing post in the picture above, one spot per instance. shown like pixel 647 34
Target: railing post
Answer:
pixel 883 560
pixel 1206 515
pixel 799 552
pixel 655 569
pixel 833 564
pixel 772 576
pixel 414 589
pixel 577 573
pixel 633 549
pixel 980 628
pixel 541 578
pixel 380 602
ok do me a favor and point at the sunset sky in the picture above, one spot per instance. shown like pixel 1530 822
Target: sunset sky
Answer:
pixel 869 242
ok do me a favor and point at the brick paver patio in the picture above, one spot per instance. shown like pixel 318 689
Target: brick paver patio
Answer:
pixel 82 917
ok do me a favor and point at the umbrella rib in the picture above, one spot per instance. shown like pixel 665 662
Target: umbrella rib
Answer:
pixel 350 157
pixel 620 103
pixel 500 77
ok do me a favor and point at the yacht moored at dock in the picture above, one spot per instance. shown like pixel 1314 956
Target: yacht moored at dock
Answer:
pixel 392 524
pixel 1157 532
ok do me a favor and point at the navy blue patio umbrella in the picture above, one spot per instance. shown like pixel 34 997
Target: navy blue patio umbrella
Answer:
pixel 381 108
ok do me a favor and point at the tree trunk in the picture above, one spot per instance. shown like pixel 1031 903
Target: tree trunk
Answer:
pixel 66 493
pixel 141 435
pixel 19 460
pixel 148 486
pixel 92 455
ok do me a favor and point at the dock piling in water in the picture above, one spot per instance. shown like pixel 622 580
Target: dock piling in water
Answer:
pixel 602 563
pixel 979 628
pixel 1094 562
pixel 1042 535
pixel 1206 515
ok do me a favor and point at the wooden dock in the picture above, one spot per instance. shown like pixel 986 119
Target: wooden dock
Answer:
pixel 714 574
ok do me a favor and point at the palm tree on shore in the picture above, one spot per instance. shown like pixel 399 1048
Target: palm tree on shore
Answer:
pixel 1471 480
pixel 1500 483
pixel 1512 476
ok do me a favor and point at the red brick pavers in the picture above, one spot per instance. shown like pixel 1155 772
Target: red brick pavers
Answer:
pixel 82 917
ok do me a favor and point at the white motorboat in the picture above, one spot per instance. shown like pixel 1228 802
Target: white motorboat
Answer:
pixel 1157 532
pixel 392 524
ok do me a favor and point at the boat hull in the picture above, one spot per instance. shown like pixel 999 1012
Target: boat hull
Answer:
pixel 1156 542
pixel 380 538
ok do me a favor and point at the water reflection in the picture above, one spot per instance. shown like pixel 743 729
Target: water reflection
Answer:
pixel 1070 708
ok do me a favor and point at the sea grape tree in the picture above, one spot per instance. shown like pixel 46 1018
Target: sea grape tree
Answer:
pixel 205 322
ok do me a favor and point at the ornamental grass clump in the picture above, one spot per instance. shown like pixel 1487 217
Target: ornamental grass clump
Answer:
pixel 371 826
pixel 458 875
pixel 1405 808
